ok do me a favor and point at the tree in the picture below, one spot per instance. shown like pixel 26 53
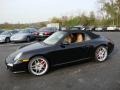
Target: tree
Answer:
pixel 84 20
pixel 111 9
pixel 92 18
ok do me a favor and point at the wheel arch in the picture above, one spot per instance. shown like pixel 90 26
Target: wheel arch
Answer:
pixel 28 36
pixel 109 47
pixel 44 56
pixel 7 38
pixel 105 45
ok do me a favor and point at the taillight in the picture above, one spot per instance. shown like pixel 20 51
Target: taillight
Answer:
pixel 36 33
pixel 47 33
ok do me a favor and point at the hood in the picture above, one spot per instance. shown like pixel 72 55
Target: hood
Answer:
pixel 20 34
pixel 32 47
pixel 5 36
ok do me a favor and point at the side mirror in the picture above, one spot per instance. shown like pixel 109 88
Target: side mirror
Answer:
pixel 65 43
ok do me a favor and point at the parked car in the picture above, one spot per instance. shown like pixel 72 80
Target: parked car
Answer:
pixel 24 35
pixel 112 28
pixel 1 31
pixel 5 36
pixel 119 28
pixel 46 32
pixel 60 48
pixel 79 27
pixel 99 29
pixel 90 28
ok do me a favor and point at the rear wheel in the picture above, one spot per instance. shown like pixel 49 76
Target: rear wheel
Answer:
pixel 7 40
pixel 38 66
pixel 101 54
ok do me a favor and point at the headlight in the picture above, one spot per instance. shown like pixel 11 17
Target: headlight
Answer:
pixel 18 56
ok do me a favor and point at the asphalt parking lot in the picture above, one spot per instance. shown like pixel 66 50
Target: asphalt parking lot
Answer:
pixel 86 75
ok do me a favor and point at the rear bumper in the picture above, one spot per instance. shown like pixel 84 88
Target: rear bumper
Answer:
pixel 20 40
pixel 111 48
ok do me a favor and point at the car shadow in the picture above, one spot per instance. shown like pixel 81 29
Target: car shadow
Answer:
pixel 82 62
pixel 52 69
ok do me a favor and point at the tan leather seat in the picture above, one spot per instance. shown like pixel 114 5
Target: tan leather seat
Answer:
pixel 79 38
pixel 68 39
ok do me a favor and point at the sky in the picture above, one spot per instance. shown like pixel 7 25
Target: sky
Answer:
pixel 30 11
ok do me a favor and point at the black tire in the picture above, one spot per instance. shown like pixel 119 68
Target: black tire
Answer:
pixel 38 66
pixel 101 54
pixel 28 39
pixel 7 40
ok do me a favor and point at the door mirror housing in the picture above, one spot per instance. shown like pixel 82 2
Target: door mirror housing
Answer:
pixel 65 43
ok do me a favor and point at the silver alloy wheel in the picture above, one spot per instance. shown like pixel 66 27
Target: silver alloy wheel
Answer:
pixel 38 66
pixel 101 53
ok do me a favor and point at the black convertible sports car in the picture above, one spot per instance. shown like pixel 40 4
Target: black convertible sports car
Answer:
pixel 60 48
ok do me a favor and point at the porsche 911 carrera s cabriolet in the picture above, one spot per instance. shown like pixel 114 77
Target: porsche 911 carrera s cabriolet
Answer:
pixel 60 48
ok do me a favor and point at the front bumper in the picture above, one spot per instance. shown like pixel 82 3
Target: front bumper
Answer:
pixel 23 66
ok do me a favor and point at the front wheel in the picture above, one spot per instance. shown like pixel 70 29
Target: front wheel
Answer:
pixel 101 54
pixel 38 66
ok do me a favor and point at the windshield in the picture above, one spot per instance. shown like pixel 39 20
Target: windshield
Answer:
pixel 24 31
pixel 6 32
pixel 54 38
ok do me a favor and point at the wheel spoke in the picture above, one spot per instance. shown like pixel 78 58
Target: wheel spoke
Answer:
pixel 33 66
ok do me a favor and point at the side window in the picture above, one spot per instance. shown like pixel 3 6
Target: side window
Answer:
pixel 68 39
pixel 74 38
pixel 80 37
pixel 31 30
pixel 87 37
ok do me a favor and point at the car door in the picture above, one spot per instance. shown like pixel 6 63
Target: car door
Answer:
pixel 71 52
pixel 32 31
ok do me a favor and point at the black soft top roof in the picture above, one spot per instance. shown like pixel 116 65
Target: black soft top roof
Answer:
pixel 92 35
